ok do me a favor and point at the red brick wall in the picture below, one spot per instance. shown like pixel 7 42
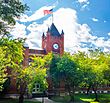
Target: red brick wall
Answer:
pixel 47 44
pixel 26 57
pixel 49 40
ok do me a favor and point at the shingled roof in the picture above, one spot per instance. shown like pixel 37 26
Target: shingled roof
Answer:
pixel 53 30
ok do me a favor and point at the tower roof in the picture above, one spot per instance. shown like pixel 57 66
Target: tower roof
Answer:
pixel 62 32
pixel 43 35
pixel 53 30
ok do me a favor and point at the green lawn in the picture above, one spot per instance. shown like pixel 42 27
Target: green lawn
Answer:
pixel 82 98
pixel 16 101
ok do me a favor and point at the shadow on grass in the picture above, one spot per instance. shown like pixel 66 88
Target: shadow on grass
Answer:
pixel 16 101
pixel 83 98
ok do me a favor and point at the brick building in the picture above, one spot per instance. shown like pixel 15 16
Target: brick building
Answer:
pixel 52 41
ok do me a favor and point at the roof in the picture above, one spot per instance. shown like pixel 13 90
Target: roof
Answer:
pixel 53 30
pixel 35 51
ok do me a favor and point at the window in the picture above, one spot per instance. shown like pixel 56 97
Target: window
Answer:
pixel 36 88
pixel 32 51
pixel 29 61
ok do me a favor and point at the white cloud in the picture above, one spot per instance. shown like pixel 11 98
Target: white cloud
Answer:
pixel 66 19
pixel 37 15
pixel 84 4
pixel 82 1
pixel 33 27
pixel 109 33
pixel 99 42
pixel 95 19
pixel 102 43
pixel 19 31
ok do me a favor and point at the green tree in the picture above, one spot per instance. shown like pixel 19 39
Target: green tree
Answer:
pixel 70 73
pixel 11 53
pixel 3 64
pixel 54 74
pixel 99 63
pixel 9 49
pixel 92 65
pixel 85 64
pixel 39 71
pixel 9 10
pixel 106 71
pixel 26 77
pixel 36 72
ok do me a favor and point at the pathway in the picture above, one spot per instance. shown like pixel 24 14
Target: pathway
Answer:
pixel 43 100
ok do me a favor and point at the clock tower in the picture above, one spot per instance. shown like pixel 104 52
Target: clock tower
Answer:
pixel 53 41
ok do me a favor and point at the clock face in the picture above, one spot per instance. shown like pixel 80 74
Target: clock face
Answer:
pixel 55 46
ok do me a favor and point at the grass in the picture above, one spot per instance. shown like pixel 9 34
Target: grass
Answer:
pixel 82 98
pixel 16 101
pixel 103 98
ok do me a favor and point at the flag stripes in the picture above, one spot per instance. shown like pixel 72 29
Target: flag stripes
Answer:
pixel 48 11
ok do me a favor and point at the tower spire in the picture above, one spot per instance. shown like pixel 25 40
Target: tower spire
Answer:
pixel 43 35
pixel 62 32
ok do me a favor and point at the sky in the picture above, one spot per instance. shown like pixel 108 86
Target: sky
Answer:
pixel 86 23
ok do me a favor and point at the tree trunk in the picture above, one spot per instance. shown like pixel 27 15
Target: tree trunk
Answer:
pixel 22 91
pixel 88 89
pixel 71 93
pixel 96 96
pixel 21 98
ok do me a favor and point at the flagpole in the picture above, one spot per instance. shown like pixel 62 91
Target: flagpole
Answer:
pixel 49 12
pixel 52 13
pixel 52 17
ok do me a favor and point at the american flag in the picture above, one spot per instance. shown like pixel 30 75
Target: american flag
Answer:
pixel 48 11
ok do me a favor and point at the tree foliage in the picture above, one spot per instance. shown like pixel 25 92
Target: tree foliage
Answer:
pixel 83 70
pixel 11 51
pixel 11 55
pixel 53 71
pixel 9 10
pixel 106 70
pixel 92 66
pixel 3 63
pixel 38 73
pixel 34 73
pixel 69 73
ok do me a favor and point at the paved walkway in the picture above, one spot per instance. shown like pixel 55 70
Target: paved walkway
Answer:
pixel 43 100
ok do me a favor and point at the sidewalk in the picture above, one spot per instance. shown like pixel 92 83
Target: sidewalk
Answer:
pixel 43 100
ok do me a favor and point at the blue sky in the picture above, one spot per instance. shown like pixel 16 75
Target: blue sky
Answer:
pixel 86 23
pixel 100 10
